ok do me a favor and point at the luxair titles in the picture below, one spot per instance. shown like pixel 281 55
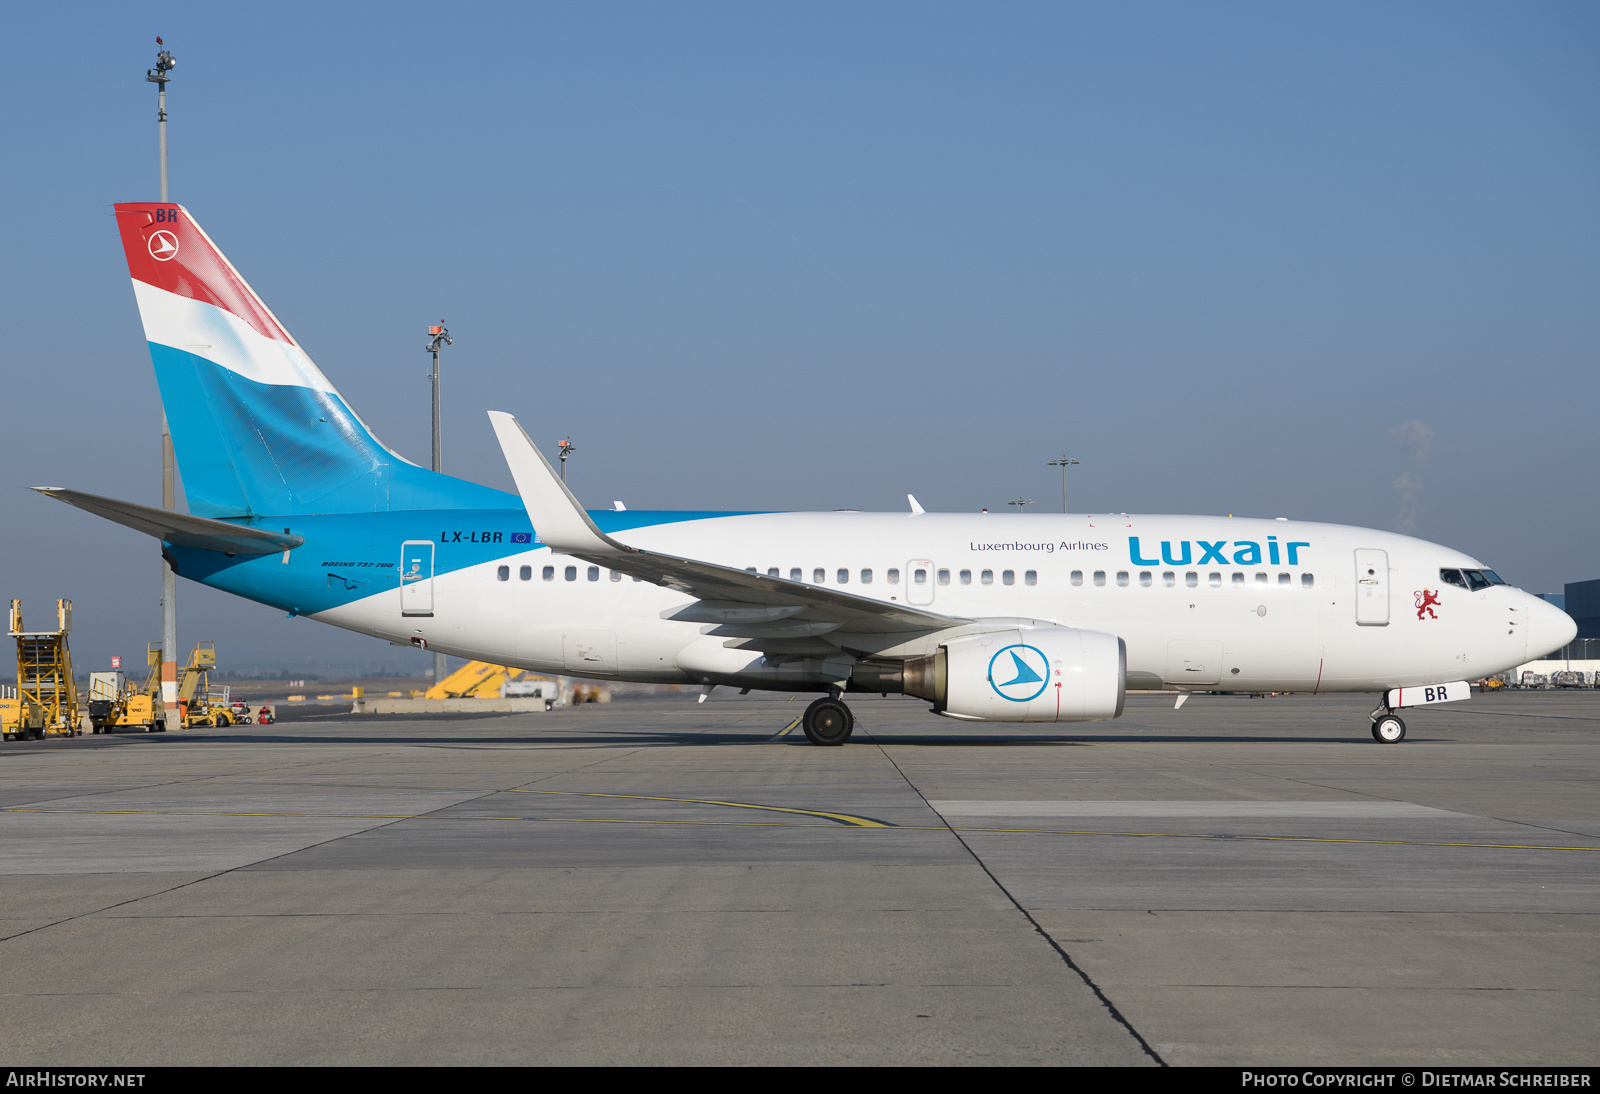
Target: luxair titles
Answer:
pixel 1198 552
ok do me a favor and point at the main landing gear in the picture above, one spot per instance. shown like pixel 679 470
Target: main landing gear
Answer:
pixel 828 722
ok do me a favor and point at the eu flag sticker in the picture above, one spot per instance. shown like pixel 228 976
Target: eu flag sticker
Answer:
pixel 521 537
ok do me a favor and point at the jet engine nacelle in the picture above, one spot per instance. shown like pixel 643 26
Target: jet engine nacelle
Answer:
pixel 1035 674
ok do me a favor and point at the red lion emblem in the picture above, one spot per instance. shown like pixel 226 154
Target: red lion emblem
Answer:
pixel 1425 600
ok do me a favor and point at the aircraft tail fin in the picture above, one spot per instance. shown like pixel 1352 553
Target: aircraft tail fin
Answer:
pixel 258 429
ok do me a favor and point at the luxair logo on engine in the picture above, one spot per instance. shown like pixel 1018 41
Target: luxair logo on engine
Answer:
pixel 1019 673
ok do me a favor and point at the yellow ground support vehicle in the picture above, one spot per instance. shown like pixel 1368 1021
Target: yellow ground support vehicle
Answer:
pixel 130 706
pixel 199 703
pixel 139 707
pixel 474 680
pixel 47 695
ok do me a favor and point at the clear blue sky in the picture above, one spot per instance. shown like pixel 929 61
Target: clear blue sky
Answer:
pixel 751 256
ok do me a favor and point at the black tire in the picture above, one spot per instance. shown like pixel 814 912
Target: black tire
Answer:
pixel 1388 730
pixel 828 722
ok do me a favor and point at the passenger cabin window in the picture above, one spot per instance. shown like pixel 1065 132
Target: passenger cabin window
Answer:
pixel 944 577
pixel 1144 579
pixel 1122 579
pixel 1191 579
pixel 1215 579
pixel 1077 577
pixel 1099 577
pixel 844 576
pixel 526 573
pixel 966 577
pixel 616 576
pixel 772 571
pixel 572 573
pixel 1307 581
pixel 892 576
pixel 504 573
pixel 549 573
pixel 1031 577
pixel 794 573
pixel 986 577
pixel 919 576
pixel 1284 579
pixel 594 573
pixel 818 576
pixel 1238 579
pixel 1008 577
pixel 1169 579
pixel 1261 579
pixel 866 577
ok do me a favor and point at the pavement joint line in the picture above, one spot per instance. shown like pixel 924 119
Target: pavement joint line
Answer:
pixel 1038 928
pixel 841 820
pixel 181 885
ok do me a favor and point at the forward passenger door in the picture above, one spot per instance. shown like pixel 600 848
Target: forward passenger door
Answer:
pixel 1372 588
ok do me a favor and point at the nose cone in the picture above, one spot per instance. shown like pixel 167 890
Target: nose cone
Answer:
pixel 1549 628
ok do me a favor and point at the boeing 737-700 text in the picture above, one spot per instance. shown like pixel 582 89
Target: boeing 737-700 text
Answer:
pixel 294 503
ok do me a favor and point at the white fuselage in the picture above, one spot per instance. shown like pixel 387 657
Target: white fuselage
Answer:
pixel 1201 602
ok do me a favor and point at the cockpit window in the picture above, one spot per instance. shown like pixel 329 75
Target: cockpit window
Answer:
pixel 1494 578
pixel 1452 577
pixel 1476 579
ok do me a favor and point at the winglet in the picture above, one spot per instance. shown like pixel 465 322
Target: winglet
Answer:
pixel 556 514
pixel 916 509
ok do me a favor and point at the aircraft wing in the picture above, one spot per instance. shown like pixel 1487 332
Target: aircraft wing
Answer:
pixel 179 528
pixel 766 611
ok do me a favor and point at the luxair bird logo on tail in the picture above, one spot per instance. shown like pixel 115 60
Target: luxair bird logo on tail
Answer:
pixel 1019 673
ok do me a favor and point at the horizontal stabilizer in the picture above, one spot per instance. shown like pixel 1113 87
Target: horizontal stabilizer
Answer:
pixel 179 528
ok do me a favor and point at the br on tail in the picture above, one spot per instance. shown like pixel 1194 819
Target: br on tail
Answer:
pixel 258 429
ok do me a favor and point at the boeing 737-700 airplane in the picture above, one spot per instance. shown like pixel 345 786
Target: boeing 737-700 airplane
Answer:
pixel 1037 618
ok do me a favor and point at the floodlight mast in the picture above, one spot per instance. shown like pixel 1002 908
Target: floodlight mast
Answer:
pixel 439 336
pixel 169 484
pixel 567 448
pixel 1063 462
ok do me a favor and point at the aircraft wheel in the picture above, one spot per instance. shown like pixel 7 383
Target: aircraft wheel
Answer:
pixel 1388 730
pixel 828 722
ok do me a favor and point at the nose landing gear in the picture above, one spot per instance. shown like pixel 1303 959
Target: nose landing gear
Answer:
pixel 1387 729
pixel 827 722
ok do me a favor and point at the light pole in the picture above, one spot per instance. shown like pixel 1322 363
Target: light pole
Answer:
pixel 567 449
pixel 1063 462
pixel 439 337
pixel 169 485
pixel 1020 503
